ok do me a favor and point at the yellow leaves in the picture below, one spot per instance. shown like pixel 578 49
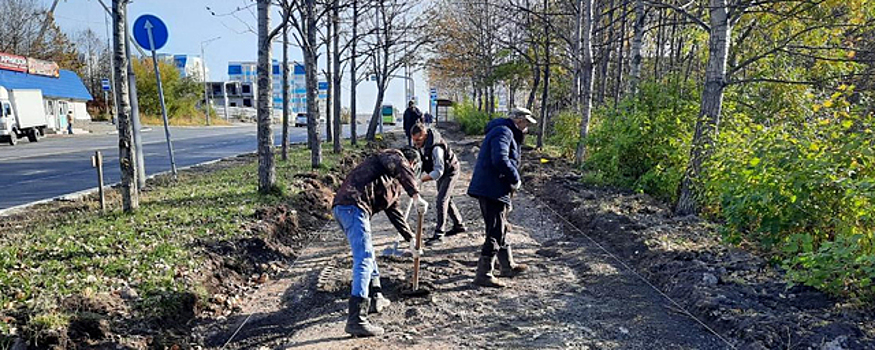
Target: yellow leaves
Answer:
pixel 544 161
pixel 816 108
pixel 828 103
pixel 852 54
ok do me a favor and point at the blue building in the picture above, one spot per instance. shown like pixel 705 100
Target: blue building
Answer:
pixel 247 72
pixel 61 94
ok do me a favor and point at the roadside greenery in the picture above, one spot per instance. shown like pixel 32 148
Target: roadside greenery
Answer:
pixel 181 95
pixel 75 250
pixel 472 120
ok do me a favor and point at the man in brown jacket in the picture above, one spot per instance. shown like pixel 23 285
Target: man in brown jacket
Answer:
pixel 374 185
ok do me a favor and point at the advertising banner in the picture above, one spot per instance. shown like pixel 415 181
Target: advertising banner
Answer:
pixel 40 67
pixel 13 62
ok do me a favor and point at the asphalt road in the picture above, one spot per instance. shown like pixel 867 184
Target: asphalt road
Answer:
pixel 57 166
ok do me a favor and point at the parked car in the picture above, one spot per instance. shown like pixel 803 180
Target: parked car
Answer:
pixel 301 120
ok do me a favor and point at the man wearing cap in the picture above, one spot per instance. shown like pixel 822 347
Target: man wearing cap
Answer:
pixel 374 185
pixel 439 163
pixel 412 115
pixel 496 176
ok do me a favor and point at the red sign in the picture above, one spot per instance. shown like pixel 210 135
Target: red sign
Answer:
pixel 13 62
pixel 40 67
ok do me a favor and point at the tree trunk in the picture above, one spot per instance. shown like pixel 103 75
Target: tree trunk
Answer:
pixel 605 53
pixel 621 45
pixel 587 69
pixel 310 76
pixel 328 97
pixel 353 83
pixel 712 102
pixel 536 81
pixel 375 117
pixel 338 126
pixel 576 57
pixel 266 169
pixel 545 91
pixel 285 70
pixel 127 159
pixel 637 39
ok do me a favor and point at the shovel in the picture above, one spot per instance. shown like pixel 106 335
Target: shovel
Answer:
pixel 416 291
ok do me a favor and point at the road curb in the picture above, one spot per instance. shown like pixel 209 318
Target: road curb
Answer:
pixel 80 194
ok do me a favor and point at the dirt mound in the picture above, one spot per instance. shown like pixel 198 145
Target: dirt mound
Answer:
pixel 738 293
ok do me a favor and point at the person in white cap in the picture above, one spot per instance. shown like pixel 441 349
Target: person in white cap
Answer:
pixel 496 176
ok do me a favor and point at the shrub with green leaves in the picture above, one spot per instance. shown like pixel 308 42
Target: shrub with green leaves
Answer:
pixel 804 188
pixel 643 144
pixel 472 121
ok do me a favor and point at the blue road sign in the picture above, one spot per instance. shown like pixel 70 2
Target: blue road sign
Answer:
pixel 104 83
pixel 150 32
pixel 323 85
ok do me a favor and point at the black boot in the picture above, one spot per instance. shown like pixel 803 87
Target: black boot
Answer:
pixel 378 301
pixel 357 324
pixel 484 276
pixel 457 230
pixel 508 267
pixel 437 239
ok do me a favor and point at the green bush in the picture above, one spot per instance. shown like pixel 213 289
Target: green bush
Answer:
pixel 473 122
pixel 566 133
pixel 643 144
pixel 804 188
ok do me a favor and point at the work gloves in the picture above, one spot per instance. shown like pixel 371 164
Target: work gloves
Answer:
pixel 421 205
pixel 516 186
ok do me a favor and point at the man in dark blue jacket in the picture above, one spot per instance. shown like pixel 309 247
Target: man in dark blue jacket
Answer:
pixel 496 176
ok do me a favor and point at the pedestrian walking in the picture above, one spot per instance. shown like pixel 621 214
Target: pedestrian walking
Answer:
pixel 412 115
pixel 439 163
pixel 373 186
pixel 70 122
pixel 496 177
pixel 429 119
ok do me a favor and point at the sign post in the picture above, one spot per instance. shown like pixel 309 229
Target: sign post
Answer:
pixel 104 85
pixel 151 33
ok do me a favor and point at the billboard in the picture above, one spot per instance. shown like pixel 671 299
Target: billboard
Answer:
pixel 41 67
pixel 13 62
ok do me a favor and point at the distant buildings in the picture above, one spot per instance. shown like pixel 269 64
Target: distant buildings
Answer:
pixel 246 72
pixel 188 65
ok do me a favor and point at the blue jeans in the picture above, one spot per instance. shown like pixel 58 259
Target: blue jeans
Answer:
pixel 356 223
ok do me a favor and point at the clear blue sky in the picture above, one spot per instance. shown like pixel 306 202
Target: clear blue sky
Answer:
pixel 190 23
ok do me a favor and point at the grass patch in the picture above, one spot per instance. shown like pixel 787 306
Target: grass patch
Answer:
pixel 59 250
pixel 188 120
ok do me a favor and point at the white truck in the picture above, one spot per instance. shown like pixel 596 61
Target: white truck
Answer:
pixel 21 114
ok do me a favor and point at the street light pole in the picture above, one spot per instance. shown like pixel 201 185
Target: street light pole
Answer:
pixel 204 69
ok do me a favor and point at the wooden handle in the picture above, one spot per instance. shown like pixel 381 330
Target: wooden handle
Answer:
pixel 418 246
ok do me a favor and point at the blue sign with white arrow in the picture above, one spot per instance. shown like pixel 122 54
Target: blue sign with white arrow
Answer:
pixel 150 32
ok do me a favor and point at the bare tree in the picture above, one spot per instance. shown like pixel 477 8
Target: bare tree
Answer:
pixel 266 166
pixel 127 158
pixel 394 43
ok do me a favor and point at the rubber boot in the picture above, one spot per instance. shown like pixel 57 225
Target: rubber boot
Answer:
pixel 508 267
pixel 378 301
pixel 357 324
pixel 484 277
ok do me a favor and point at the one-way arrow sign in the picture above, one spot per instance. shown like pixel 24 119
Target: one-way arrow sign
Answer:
pixel 150 32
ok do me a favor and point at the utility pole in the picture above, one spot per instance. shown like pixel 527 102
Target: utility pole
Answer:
pixel 204 66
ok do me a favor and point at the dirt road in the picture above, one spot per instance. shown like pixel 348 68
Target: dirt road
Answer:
pixel 574 296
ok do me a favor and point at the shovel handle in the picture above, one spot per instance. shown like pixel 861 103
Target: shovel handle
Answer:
pixel 418 247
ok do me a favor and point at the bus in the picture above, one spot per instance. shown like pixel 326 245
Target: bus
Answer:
pixel 388 113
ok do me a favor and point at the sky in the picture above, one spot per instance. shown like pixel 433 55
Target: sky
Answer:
pixel 190 23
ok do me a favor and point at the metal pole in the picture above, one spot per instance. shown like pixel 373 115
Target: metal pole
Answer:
pixel 225 91
pixel 206 97
pixel 161 99
pixel 135 112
